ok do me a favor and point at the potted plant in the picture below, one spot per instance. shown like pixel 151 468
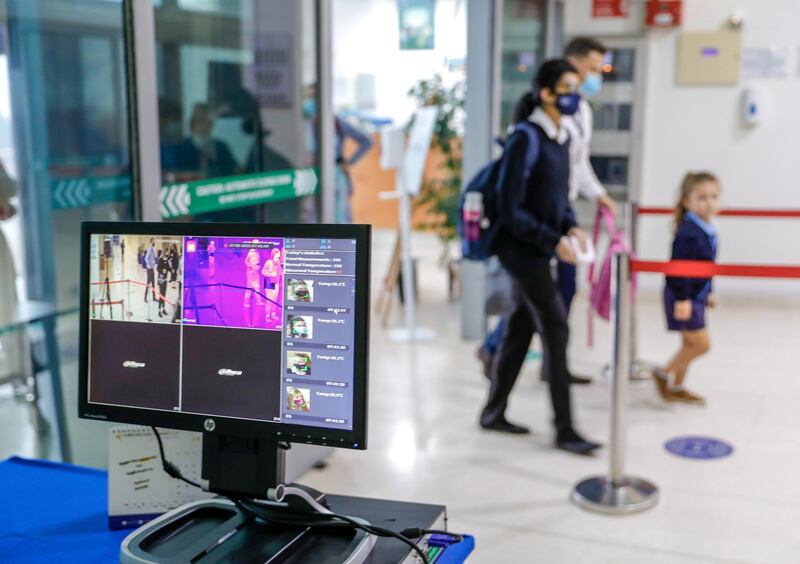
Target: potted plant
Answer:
pixel 440 194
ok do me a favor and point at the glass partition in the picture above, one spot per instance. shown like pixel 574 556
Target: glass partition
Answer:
pixel 237 110
pixel 65 152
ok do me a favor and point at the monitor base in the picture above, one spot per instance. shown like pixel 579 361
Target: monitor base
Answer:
pixel 216 530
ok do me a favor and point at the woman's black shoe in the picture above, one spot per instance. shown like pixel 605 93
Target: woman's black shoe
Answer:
pixel 574 443
pixel 505 426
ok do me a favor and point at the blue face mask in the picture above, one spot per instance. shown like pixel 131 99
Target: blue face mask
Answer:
pixel 309 108
pixel 568 103
pixel 592 84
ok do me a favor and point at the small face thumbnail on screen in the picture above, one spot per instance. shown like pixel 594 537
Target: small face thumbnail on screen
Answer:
pixel 298 399
pixel 298 363
pixel 300 327
pixel 301 291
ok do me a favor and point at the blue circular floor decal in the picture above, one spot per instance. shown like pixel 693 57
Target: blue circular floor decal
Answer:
pixel 698 447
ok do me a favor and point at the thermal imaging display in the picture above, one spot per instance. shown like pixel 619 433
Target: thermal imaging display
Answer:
pixel 233 282
pixel 252 328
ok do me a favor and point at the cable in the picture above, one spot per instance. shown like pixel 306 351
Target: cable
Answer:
pixel 327 520
pixel 318 520
pixel 168 466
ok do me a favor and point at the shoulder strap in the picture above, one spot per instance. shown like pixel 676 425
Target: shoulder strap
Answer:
pixel 532 154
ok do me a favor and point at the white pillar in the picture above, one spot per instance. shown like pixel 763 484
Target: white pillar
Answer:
pixel 484 18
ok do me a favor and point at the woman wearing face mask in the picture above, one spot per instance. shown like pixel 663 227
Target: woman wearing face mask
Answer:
pixel 536 223
pixel 587 55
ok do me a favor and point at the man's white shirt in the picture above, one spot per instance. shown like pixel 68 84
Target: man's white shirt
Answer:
pixel 582 179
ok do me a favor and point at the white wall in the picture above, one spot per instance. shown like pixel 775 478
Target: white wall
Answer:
pixel 366 41
pixel 690 128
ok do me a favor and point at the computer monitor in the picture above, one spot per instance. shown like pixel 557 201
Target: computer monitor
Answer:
pixel 251 334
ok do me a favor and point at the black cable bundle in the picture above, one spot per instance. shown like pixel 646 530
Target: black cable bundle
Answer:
pixel 309 520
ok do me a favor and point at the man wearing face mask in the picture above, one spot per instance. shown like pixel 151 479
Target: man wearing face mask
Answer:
pixel 201 153
pixel 200 156
pixel 587 56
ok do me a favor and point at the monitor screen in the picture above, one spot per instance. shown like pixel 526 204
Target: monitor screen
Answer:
pixel 186 324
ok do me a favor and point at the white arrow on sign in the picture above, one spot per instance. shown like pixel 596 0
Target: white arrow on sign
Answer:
pixel 162 197
pixel 59 195
pixel 70 193
pixel 175 200
pixel 305 182
pixel 83 192
pixel 73 193
pixel 184 199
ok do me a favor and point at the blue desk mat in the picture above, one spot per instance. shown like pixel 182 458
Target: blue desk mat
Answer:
pixel 58 513
pixel 51 512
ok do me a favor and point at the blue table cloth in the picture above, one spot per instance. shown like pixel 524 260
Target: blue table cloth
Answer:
pixel 51 512
pixel 58 513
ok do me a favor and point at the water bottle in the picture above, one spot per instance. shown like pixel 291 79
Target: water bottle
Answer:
pixel 473 222
pixel 473 214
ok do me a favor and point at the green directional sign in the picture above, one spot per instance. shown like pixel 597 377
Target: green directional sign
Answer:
pixel 85 191
pixel 202 196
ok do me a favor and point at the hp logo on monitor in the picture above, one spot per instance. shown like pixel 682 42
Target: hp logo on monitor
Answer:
pixel 209 425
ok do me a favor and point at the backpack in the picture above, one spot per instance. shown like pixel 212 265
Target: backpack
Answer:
pixel 485 183
pixel 600 285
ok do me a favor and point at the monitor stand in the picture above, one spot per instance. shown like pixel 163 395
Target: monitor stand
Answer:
pixel 216 530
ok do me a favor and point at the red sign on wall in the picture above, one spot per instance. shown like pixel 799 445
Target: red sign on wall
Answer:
pixel 664 13
pixel 609 8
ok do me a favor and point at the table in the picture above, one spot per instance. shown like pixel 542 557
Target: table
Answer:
pixel 55 512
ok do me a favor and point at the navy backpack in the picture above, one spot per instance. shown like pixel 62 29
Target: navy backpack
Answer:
pixel 485 182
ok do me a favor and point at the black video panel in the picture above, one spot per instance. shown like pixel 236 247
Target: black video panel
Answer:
pixel 232 372
pixel 135 364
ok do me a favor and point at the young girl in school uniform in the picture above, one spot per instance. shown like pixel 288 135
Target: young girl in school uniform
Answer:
pixel 686 299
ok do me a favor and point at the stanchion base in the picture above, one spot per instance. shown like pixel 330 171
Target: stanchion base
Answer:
pixel 416 335
pixel 600 495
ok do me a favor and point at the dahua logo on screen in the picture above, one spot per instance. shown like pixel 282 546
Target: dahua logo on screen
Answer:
pixel 229 372
pixel 133 364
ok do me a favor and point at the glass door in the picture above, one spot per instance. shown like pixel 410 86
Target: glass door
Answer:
pixel 238 110
pixel 65 152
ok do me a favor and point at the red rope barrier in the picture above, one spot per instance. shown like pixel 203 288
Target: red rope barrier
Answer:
pixel 135 283
pixel 111 282
pixel 729 212
pixel 703 269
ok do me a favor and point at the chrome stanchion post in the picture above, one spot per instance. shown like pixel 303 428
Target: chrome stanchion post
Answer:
pixel 630 221
pixel 617 493
pixel 621 360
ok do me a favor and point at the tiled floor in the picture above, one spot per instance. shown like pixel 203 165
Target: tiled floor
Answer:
pixel 512 492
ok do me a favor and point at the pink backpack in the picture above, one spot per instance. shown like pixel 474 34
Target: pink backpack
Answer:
pixel 600 285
